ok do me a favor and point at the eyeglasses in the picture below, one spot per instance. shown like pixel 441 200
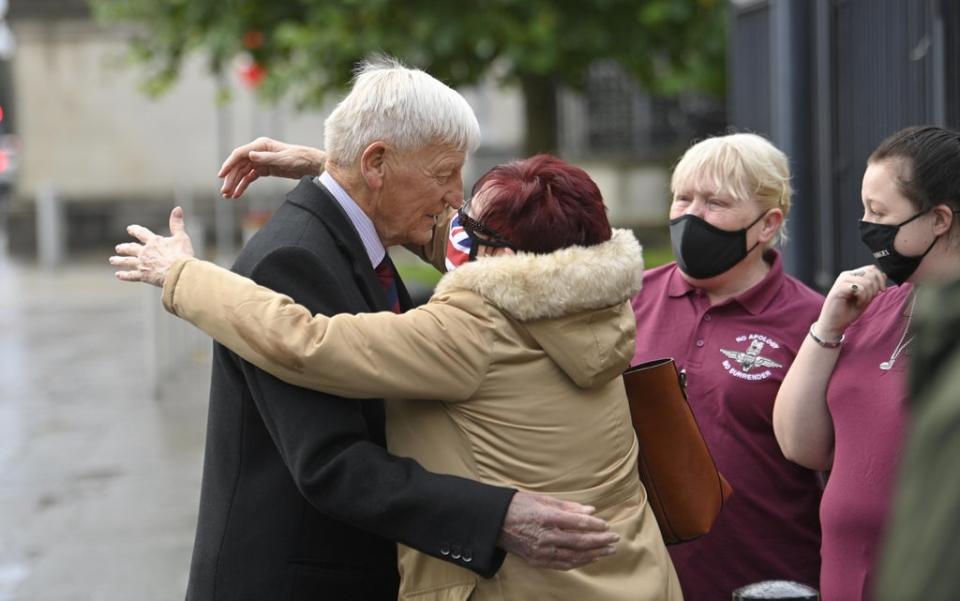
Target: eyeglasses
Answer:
pixel 473 227
pixel 487 235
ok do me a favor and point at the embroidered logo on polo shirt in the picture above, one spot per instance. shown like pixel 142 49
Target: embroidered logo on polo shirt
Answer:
pixel 750 364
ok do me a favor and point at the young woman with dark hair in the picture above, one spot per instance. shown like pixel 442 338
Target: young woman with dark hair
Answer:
pixel 842 406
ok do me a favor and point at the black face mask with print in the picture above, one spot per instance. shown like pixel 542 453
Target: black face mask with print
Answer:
pixel 879 239
pixel 703 251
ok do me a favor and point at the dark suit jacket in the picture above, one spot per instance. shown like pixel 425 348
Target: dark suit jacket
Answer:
pixel 300 500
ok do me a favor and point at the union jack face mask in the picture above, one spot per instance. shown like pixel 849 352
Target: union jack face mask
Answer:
pixel 458 245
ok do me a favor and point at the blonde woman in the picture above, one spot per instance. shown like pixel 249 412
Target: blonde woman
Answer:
pixel 733 321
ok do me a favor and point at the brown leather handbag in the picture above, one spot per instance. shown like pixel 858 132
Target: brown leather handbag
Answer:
pixel 683 486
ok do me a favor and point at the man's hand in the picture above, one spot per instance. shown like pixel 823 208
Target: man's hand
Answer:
pixel 150 261
pixel 266 157
pixel 554 534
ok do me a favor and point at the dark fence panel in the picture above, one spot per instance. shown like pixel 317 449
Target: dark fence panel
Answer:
pixel 622 120
pixel 750 79
pixel 950 17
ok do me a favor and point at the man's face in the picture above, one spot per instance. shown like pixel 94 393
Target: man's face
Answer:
pixel 418 186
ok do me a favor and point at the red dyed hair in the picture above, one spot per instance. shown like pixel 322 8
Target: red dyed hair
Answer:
pixel 543 204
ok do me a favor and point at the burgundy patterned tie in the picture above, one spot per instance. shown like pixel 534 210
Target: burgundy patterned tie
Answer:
pixel 388 279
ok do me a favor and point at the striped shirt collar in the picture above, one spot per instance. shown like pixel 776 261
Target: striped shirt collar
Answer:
pixel 361 222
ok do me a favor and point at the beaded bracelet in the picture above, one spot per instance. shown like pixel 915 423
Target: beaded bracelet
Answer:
pixel 825 343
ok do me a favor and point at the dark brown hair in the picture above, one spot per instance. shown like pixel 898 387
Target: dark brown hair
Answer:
pixel 930 174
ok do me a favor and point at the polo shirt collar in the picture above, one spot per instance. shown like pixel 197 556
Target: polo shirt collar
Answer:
pixel 678 286
pixel 754 300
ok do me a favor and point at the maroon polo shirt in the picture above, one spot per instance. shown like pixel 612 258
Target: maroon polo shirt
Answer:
pixel 868 405
pixel 735 355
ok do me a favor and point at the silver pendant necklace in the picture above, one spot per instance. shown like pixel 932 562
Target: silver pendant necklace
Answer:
pixel 901 346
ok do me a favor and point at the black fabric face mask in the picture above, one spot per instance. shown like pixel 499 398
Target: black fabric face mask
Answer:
pixel 879 239
pixel 703 251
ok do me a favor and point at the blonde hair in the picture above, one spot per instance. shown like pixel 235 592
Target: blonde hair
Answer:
pixel 743 166
pixel 404 107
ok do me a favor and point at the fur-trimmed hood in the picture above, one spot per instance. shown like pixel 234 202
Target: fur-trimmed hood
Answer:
pixel 571 280
pixel 572 301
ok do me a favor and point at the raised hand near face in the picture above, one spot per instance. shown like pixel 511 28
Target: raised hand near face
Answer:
pixel 851 294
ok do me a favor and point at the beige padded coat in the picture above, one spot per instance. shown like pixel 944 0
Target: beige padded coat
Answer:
pixel 509 375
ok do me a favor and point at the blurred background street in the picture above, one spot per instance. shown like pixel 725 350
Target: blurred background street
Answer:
pixel 114 111
pixel 99 480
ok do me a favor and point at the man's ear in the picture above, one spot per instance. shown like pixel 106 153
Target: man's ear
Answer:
pixel 373 165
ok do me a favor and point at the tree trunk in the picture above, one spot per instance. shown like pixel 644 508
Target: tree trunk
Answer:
pixel 540 109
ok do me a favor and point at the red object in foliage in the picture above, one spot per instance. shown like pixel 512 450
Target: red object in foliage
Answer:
pixel 253 39
pixel 253 74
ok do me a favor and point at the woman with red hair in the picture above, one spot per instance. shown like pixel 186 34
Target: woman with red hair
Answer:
pixel 510 374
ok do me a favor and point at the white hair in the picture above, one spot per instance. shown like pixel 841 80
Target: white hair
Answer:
pixel 406 108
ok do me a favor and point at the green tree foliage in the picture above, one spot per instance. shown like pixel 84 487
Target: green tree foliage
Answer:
pixel 309 47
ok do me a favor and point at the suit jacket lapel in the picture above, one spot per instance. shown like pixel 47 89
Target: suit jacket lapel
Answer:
pixel 318 201
pixel 406 303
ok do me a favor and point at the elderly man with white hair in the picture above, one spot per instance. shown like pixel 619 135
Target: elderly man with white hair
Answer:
pixel 300 498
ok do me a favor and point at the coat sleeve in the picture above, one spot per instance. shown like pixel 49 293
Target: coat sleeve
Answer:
pixel 325 442
pixel 440 351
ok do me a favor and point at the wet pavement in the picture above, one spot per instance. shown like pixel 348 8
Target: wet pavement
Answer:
pixel 99 477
